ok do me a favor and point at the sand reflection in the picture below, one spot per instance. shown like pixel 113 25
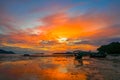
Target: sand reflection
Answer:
pixel 50 68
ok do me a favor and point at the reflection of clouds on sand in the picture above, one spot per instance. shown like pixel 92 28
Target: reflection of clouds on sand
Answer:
pixel 57 68
pixel 60 68
pixel 63 70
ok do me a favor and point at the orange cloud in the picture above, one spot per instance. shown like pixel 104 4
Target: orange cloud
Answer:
pixel 60 25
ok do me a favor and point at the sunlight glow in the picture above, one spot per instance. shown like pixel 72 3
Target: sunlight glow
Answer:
pixel 62 40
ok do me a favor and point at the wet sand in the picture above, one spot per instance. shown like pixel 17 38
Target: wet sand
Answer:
pixel 59 68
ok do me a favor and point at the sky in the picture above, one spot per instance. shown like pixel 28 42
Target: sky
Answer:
pixel 31 26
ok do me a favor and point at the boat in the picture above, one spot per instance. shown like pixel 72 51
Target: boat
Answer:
pixel 78 54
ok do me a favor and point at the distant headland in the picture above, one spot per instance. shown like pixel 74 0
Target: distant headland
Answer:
pixel 6 52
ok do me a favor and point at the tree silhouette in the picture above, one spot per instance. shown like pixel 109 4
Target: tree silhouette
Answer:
pixel 112 48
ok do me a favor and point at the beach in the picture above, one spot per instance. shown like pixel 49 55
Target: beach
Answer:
pixel 59 68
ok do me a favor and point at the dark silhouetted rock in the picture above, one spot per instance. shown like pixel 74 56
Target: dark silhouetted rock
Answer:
pixel 98 55
pixel 26 55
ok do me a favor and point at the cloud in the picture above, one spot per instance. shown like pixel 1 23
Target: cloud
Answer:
pixel 82 30
pixel 57 18
pixel 89 29
pixel 6 20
